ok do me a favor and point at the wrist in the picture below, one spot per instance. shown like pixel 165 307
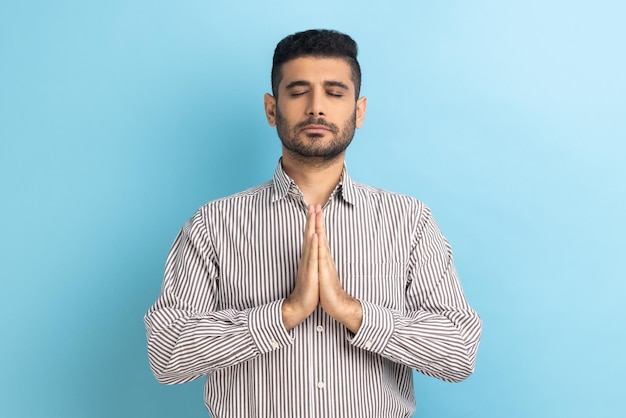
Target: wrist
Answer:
pixel 292 314
pixel 348 312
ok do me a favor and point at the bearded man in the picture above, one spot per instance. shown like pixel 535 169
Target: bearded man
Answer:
pixel 312 295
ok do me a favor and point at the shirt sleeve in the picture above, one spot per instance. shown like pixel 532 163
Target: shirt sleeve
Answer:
pixel 188 337
pixel 438 333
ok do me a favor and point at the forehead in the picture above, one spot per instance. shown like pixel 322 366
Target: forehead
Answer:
pixel 316 70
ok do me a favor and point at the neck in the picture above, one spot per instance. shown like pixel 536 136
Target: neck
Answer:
pixel 316 178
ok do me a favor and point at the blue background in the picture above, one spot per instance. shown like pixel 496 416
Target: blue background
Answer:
pixel 118 119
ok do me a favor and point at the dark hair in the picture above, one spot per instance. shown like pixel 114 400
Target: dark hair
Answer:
pixel 320 43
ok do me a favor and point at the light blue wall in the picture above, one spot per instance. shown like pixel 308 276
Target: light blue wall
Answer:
pixel 119 118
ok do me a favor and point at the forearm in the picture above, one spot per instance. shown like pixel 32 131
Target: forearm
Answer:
pixel 348 312
pixel 184 346
pixel 434 330
pixel 441 345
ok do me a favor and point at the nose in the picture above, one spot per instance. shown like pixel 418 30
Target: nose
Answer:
pixel 315 106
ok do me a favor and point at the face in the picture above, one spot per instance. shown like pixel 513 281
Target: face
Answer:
pixel 315 112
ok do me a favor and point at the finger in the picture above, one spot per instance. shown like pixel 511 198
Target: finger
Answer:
pixel 314 250
pixel 320 230
pixel 309 226
pixel 319 220
pixel 309 242
pixel 326 265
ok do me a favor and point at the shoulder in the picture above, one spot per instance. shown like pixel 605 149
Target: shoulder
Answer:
pixel 259 193
pixel 404 210
pixel 375 195
pixel 231 206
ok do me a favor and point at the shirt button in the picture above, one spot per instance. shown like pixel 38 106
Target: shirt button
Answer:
pixel 368 344
pixel 319 328
pixel 274 345
pixel 321 385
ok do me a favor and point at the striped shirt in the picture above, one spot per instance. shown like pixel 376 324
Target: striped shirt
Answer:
pixel 235 261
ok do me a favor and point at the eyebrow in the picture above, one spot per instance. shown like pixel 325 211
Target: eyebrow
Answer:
pixel 303 83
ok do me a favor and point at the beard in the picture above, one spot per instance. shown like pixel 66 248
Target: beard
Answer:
pixel 316 149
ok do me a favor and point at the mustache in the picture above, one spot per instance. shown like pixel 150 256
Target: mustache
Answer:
pixel 317 121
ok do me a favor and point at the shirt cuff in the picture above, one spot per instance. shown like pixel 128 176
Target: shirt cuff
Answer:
pixel 376 328
pixel 266 327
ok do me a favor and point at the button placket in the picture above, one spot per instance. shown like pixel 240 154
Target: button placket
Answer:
pixel 317 330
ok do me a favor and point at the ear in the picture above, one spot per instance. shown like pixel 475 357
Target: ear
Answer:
pixel 361 107
pixel 269 102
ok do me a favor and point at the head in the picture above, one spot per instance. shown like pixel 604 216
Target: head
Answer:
pixel 320 43
pixel 315 105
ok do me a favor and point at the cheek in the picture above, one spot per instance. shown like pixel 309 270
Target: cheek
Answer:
pixel 285 112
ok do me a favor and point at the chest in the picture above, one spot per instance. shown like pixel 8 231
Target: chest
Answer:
pixel 259 254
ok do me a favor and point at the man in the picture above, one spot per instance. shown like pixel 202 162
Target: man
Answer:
pixel 311 295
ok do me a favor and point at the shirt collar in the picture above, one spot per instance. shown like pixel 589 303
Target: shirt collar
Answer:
pixel 282 184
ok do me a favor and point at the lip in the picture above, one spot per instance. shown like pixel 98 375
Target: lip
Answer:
pixel 316 129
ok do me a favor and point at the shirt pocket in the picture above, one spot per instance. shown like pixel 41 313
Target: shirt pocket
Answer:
pixel 382 284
